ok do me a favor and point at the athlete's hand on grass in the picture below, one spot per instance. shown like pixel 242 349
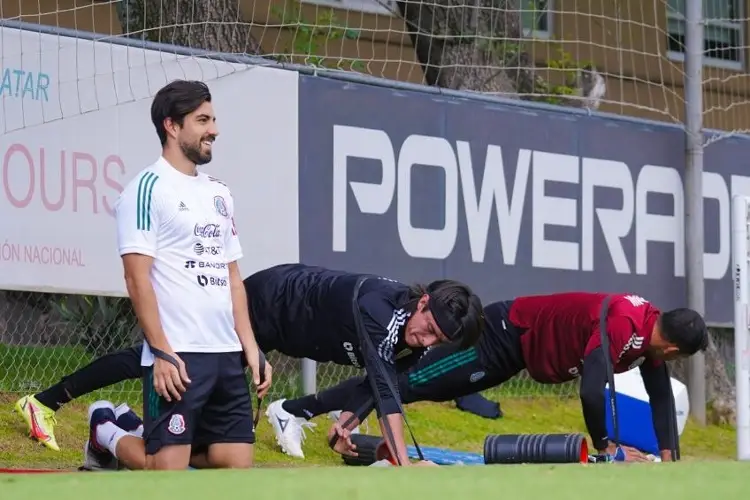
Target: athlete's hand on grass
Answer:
pixel 343 444
pixel 170 381
pixel 426 463
pixel 635 455
pixel 631 454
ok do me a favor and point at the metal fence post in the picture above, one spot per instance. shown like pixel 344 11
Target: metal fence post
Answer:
pixel 309 376
pixel 694 245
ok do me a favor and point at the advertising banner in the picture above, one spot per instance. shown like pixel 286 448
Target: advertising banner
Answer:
pixel 75 127
pixel 511 200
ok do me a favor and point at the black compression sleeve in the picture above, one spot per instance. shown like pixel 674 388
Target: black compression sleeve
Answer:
pixel 380 369
pixel 331 399
pixel 593 380
pixel 656 382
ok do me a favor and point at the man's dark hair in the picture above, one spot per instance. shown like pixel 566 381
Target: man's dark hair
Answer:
pixel 176 100
pixel 686 329
pixel 458 301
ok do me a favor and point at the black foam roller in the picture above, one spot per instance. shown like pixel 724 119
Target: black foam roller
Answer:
pixel 367 450
pixel 535 448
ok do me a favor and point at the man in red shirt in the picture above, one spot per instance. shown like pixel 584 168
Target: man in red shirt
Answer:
pixel 556 338
pixel 562 341
pixel 561 330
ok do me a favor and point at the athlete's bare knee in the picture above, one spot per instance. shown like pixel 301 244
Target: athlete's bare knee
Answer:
pixel 176 457
pixel 131 453
pixel 200 461
pixel 231 455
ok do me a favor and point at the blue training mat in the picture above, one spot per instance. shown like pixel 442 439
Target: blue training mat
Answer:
pixel 443 456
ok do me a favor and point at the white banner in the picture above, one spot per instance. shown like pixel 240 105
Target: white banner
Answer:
pixel 75 127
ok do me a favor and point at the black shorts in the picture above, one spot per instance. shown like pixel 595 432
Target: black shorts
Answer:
pixel 446 372
pixel 216 408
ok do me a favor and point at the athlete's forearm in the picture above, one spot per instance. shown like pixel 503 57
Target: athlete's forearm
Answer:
pixel 396 423
pixel 593 380
pixel 657 384
pixel 143 297
pixel 240 310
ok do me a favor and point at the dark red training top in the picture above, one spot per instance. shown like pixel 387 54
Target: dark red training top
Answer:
pixel 561 329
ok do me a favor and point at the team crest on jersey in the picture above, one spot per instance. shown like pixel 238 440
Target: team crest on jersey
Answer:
pixel 176 424
pixel 221 206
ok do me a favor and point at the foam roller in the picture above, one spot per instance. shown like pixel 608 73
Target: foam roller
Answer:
pixel 535 449
pixel 369 449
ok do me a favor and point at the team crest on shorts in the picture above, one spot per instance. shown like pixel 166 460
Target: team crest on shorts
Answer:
pixel 176 424
pixel 221 206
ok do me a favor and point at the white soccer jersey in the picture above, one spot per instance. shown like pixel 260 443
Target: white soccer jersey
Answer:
pixel 186 224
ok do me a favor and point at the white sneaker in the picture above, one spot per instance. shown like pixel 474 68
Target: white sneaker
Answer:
pixel 289 430
pixel 95 457
pixel 93 461
pixel 336 415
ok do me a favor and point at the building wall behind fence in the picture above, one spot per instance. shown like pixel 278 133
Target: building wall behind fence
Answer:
pixel 511 198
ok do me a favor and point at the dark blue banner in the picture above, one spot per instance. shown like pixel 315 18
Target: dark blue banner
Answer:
pixel 511 200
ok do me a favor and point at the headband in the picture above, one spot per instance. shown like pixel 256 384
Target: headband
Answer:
pixel 444 319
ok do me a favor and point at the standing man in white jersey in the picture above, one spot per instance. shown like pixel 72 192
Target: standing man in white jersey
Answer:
pixel 180 249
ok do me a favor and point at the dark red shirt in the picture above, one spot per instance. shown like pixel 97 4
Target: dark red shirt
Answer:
pixel 560 330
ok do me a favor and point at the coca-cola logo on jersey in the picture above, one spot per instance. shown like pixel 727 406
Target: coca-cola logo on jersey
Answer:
pixel 207 231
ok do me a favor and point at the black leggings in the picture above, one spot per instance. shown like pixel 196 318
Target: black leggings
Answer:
pixel 107 370
pixel 444 373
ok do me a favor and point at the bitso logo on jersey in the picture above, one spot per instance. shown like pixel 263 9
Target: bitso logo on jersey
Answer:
pixel 221 206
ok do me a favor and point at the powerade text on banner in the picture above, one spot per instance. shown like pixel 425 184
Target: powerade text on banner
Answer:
pixel 509 199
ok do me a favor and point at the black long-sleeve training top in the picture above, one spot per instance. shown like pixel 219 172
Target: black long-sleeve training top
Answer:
pixel 307 312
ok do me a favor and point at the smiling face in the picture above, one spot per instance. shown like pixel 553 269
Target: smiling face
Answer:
pixel 421 329
pixel 197 133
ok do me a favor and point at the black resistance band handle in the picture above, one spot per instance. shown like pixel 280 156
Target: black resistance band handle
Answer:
pixel 366 342
pixel 610 368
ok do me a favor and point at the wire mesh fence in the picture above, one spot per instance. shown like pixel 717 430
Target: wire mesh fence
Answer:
pixel 625 57
pixel 44 337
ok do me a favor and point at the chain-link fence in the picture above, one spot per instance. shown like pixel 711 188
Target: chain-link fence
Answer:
pixel 46 336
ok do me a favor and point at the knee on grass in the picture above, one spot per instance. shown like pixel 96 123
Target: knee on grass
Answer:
pixel 230 455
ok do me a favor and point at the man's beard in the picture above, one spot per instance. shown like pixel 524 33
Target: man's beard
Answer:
pixel 194 154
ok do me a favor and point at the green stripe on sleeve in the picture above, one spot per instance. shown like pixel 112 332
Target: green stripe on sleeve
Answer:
pixel 143 205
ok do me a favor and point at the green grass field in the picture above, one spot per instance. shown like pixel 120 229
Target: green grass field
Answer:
pixel 707 466
pixel 434 425
pixel 686 481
